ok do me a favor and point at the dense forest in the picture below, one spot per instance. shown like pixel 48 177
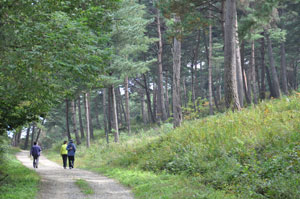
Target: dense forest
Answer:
pixel 173 98
pixel 70 67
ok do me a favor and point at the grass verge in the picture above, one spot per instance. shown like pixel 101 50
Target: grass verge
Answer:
pixel 150 185
pixel 17 181
pixel 84 186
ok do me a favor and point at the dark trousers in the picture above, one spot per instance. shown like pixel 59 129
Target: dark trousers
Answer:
pixel 35 161
pixel 71 161
pixel 64 157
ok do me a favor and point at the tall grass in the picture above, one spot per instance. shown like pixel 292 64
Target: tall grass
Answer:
pixel 17 181
pixel 249 154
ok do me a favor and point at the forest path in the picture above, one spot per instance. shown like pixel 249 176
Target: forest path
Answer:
pixel 59 183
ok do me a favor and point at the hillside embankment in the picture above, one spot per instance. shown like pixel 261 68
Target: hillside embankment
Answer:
pixel 254 153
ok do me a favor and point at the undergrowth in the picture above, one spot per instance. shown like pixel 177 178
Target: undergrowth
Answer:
pixel 254 153
pixel 16 181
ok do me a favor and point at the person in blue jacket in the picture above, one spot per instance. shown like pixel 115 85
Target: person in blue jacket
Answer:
pixel 71 148
pixel 35 152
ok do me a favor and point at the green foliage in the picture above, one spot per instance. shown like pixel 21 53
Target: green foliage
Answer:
pixel 200 109
pixel 16 181
pixel 4 148
pixel 49 50
pixel 258 16
pixel 128 40
pixel 84 186
pixel 278 35
pixel 188 11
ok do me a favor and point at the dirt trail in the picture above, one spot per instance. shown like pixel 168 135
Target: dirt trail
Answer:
pixel 59 183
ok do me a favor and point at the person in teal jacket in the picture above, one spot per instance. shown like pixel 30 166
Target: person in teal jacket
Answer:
pixel 71 148
pixel 64 154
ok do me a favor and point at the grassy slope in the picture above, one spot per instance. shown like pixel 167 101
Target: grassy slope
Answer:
pixel 20 182
pixel 254 153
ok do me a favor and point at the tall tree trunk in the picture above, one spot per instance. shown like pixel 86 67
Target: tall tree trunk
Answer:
pixel 177 112
pixel 269 79
pixel 219 91
pixel 185 97
pixel 144 115
pixel 171 100
pixel 32 133
pixel 162 115
pixel 248 75
pixel 239 72
pixel 197 82
pixel 67 119
pixel 27 137
pixel 201 81
pixel 216 99
pixel 290 76
pixel 109 111
pixel 120 107
pixel 258 84
pixel 105 114
pixel 231 94
pixel 194 67
pixel 73 109
pixel 193 81
pixel 97 111
pixel 87 109
pixel 38 135
pixel 223 11
pixel 283 70
pixel 127 105
pixel 253 82
pixel 19 136
pixel 90 118
pixel 80 119
pixel 274 75
pixel 296 74
pixel 167 95
pixel 148 99
pixel 14 139
pixel 210 94
pixel 245 79
pixel 155 101
pixel 40 131
pixel 16 135
pixel 263 68
pixel 115 118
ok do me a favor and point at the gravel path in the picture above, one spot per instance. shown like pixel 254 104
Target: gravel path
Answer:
pixel 59 183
